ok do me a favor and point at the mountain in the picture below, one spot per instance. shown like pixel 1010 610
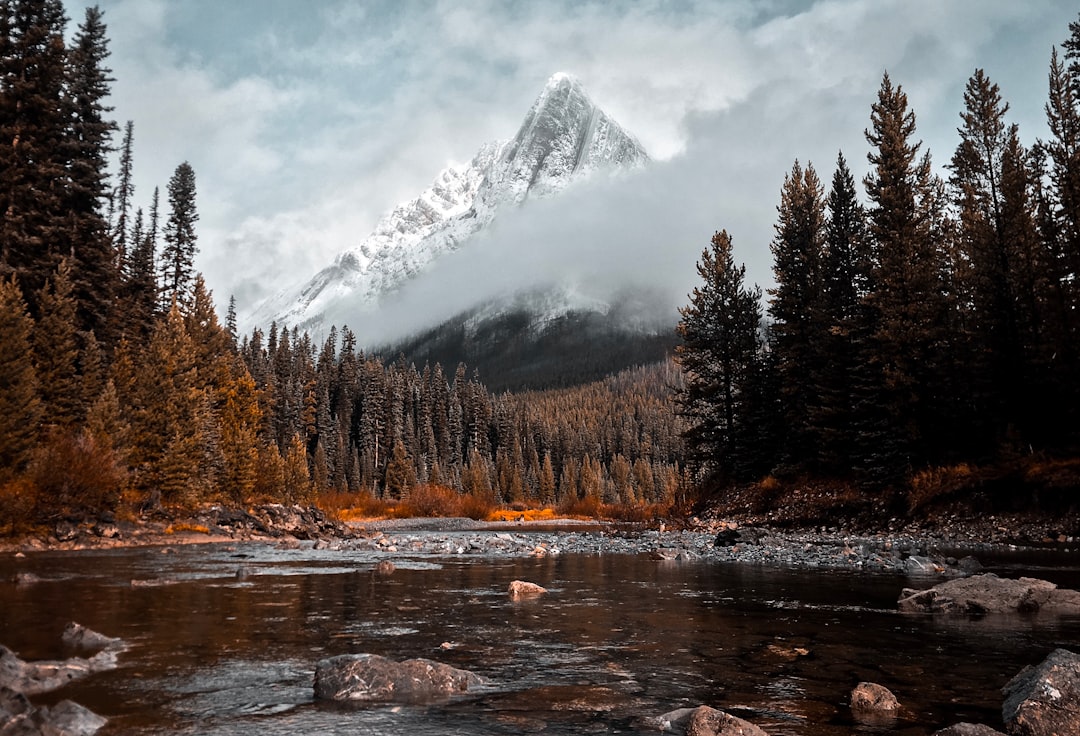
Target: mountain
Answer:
pixel 564 137
pixel 545 334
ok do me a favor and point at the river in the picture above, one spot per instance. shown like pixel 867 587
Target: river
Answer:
pixel 618 638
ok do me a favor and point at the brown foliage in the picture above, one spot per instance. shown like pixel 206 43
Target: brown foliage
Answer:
pixel 352 506
pixel 75 472
pixel 18 500
pixel 430 500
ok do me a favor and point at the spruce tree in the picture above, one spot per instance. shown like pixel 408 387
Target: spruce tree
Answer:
pixel 56 352
pixel 797 330
pixel 20 408
pixel 121 198
pixel 178 255
pixel 34 196
pixel 96 269
pixel 719 332
pixel 907 290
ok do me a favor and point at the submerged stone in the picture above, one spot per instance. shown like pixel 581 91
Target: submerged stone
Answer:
pixel 370 677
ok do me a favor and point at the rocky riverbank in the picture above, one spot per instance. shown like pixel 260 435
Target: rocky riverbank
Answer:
pixel 947 550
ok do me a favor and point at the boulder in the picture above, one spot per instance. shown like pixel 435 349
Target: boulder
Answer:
pixel 384 567
pixel 968 729
pixel 78 636
pixel 33 678
pixel 1044 700
pixel 869 696
pixel 745 535
pixel 519 589
pixel 706 721
pixel 19 718
pixel 987 593
pixel 369 677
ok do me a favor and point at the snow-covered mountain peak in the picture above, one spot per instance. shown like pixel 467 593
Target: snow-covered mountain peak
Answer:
pixel 564 136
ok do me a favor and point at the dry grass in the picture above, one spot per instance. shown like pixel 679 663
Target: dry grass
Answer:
pixel 934 483
pixel 526 514
pixel 181 527
pixel 353 506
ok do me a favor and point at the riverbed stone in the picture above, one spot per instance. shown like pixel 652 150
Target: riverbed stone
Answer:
pixel 370 677
pixel 519 589
pixel 706 721
pixel 33 678
pixel 968 729
pixel 78 636
pixel 987 593
pixel 1044 700
pixel 869 696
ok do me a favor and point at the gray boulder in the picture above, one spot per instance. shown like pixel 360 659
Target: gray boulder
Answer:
pixel 369 677
pixel 78 636
pixel 1045 700
pixel 987 593
pixel 33 678
pixel 19 718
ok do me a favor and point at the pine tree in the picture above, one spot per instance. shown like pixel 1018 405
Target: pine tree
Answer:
pixel 797 331
pixel 95 270
pixel 907 291
pixel 20 408
pixel 122 196
pixel 719 332
pixel 56 352
pixel 178 255
pixel 400 474
pixel 139 293
pixel 846 274
pixel 34 195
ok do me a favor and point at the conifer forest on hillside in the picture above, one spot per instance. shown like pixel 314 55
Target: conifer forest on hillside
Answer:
pixel 921 339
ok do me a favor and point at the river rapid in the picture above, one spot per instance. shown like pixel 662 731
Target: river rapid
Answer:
pixel 224 638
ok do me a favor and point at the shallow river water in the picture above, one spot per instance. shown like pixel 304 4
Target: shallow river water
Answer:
pixel 617 640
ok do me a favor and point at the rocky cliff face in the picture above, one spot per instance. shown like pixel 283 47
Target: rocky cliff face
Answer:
pixel 564 137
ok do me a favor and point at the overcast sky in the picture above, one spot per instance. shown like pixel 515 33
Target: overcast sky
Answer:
pixel 305 121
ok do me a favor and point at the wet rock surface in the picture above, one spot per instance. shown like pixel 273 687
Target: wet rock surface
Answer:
pixel 987 593
pixel 1045 700
pixel 519 589
pixel 968 729
pixel 370 677
pixel 19 680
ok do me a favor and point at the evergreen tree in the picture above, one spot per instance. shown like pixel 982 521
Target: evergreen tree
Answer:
pixel 122 196
pixel 907 291
pixel 34 193
pixel 20 408
pixel 795 306
pixel 178 255
pixel 95 269
pixel 139 293
pixel 56 352
pixel 400 474
pixel 719 332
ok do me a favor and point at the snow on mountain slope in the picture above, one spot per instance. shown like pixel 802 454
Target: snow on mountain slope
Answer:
pixel 563 138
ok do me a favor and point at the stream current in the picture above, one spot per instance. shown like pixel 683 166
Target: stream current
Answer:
pixel 617 640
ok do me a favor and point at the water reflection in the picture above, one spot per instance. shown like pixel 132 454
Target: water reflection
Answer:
pixel 617 639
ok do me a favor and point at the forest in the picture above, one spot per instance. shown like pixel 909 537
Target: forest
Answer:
pixel 922 339
pixel 913 336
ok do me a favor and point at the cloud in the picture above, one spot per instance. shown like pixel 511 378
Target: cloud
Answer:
pixel 305 126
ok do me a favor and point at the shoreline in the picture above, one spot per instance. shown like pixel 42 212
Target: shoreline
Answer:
pixel 912 550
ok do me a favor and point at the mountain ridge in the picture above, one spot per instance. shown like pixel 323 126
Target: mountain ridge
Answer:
pixel 563 138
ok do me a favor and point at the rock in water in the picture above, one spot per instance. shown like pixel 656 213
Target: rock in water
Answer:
pixel 370 677
pixel 78 636
pixel 1045 700
pixel 19 718
pixel 519 589
pixel 706 721
pixel 869 696
pixel 968 729
pixel 981 594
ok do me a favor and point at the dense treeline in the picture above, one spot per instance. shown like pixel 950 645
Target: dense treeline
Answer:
pixel 936 322
pixel 368 426
pixel 121 390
